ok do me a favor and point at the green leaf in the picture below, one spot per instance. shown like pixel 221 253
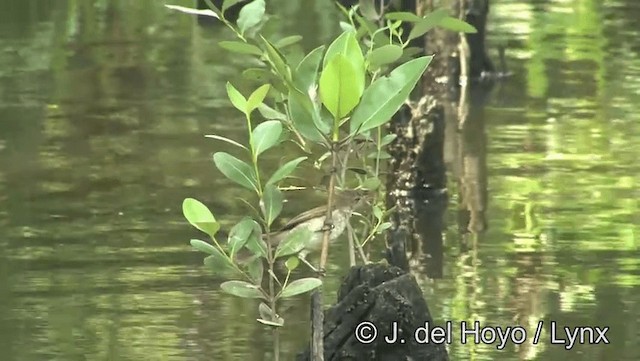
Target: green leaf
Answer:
pixel 300 112
pixel 306 73
pixel 256 244
pixel 368 9
pixel 257 97
pixel 300 286
pixel 387 139
pixel 183 9
pixel 240 47
pixel 371 183
pixel 199 216
pixel 229 3
pixel 256 270
pixel 377 212
pixel 266 313
pixel 295 241
pixel 427 23
pixel 240 233
pixel 236 98
pixel 236 170
pixel 287 41
pixel 266 135
pixel 285 170
pixel 347 45
pixel 383 227
pixel 258 74
pixel 382 155
pixel 292 263
pixel 403 16
pixel 386 95
pixel 241 289
pixel 280 322
pixel 271 203
pixel 250 15
pixel 203 246
pixel 340 89
pixel 230 141
pixel 457 25
pixel 219 263
pixel 278 61
pixel 269 113
pixel 385 54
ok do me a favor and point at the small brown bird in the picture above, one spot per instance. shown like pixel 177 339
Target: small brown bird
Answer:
pixel 345 202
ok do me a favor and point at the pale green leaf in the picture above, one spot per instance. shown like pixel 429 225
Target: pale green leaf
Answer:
pixel 199 216
pixel 251 15
pixel 383 55
pixel 386 95
pixel 427 23
pixel 240 233
pixel 224 139
pixel 292 263
pixel 266 135
pixel 403 16
pixel 257 97
pixel 368 9
pixel 301 113
pixel 237 99
pixel 287 41
pixel 271 203
pixel 300 286
pixel 277 60
pixel 340 89
pixel 256 270
pixel 371 183
pixel 457 25
pixel 192 11
pixel 242 289
pixel 229 3
pixel 387 139
pixel 269 113
pixel 236 170
pixel 306 73
pixel 240 47
pixel 295 241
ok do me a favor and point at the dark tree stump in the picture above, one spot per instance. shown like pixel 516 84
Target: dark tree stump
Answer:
pixel 379 294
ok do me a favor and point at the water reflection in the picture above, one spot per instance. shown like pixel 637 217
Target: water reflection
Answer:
pixel 103 105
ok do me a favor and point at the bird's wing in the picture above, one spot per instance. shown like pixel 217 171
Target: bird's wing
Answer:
pixel 302 217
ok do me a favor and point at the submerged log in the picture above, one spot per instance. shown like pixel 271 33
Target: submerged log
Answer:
pixel 381 295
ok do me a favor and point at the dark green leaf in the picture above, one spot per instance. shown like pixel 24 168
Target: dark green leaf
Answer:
pixel 257 97
pixel 403 16
pixel 250 15
pixel 428 22
pixel 193 11
pixel 294 242
pixel 256 244
pixel 371 183
pixel 386 54
pixel 241 289
pixel 285 170
pixel 237 99
pixel 386 95
pixel 340 88
pixel 301 113
pixel 199 216
pixel 236 170
pixel 306 73
pixel 278 61
pixel 256 270
pixel 300 286
pixel 289 40
pixel 266 312
pixel 219 263
pixel 203 246
pixel 271 203
pixel 457 25
pixel 230 141
pixel 266 135
pixel 240 47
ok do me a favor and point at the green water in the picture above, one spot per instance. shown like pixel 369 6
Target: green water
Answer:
pixel 103 108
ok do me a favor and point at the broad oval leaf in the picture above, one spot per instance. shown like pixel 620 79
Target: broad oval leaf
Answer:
pixel 240 47
pixel 256 270
pixel 192 11
pixel 292 263
pixel 287 41
pixel 271 203
pixel 285 170
pixel 458 25
pixel 256 244
pixel 251 15
pixel 266 135
pixel 387 139
pixel 301 113
pixel 220 264
pixel 371 183
pixel 347 45
pixel 257 97
pixel 300 286
pixel 236 170
pixel 237 99
pixel 340 88
pixel 199 216
pixel 224 139
pixel 295 241
pixel 242 289
pixel 368 9
pixel 385 54
pixel 427 23
pixel 386 95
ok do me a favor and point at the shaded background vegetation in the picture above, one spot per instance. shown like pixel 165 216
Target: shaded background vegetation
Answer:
pixel 103 107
